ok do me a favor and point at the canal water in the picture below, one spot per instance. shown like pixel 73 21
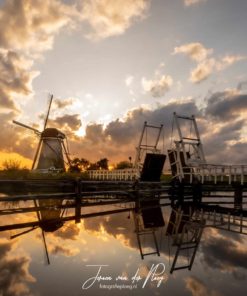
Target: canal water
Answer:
pixel 100 255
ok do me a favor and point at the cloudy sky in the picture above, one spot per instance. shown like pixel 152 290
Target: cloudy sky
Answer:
pixel 113 64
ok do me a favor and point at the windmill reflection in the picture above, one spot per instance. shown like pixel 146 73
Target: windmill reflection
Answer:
pixel 50 217
pixel 49 214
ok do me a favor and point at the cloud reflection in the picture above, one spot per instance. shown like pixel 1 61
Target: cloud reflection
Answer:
pixel 14 271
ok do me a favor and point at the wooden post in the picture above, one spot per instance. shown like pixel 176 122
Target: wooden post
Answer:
pixel 197 192
pixel 78 201
pixel 238 198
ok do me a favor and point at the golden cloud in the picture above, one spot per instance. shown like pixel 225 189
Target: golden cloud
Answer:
pixel 16 77
pixel 202 71
pixel 69 231
pixel 117 140
pixel 129 80
pixel 198 288
pixel 27 28
pixel 227 61
pixel 61 104
pixel 157 87
pixel 196 51
pixel 206 64
pixel 14 139
pixel 193 2
pixel 31 25
pixel 112 17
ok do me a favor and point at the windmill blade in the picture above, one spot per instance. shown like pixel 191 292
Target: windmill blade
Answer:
pixel 36 154
pixel 43 234
pixel 48 111
pixel 23 232
pixel 66 152
pixel 28 127
pixel 46 249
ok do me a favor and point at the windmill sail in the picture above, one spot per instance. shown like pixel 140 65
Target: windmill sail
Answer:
pixel 48 112
pixel 27 126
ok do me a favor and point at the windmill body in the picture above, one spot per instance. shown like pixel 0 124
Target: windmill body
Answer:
pixel 49 156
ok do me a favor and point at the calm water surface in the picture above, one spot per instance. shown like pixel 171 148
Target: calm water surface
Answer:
pixel 107 247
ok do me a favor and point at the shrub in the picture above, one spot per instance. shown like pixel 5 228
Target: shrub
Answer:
pixel 11 165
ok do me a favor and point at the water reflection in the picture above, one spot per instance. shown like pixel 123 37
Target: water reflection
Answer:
pixel 79 233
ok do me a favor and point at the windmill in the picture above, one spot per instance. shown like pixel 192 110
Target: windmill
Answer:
pixel 51 148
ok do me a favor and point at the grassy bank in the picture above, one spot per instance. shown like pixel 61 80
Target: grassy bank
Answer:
pixel 29 175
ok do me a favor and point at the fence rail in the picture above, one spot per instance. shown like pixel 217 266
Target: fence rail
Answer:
pixel 214 173
pixel 125 174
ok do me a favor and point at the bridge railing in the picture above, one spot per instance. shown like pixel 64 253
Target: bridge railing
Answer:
pixel 215 173
pixel 123 175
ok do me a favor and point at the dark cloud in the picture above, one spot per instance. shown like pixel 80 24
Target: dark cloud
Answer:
pixel 222 143
pixel 94 132
pixel 239 152
pixel 130 129
pixel 66 251
pixel 67 122
pixel 239 276
pixel 119 138
pixel 226 106
pixel 15 78
pixel 223 139
pixel 219 141
pixel 227 253
pixel 14 274
pixel 221 129
pixel 125 132
pixel 242 86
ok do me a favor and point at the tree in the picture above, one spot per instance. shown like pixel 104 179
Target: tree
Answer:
pixel 78 165
pixel 123 165
pixel 93 166
pixel 102 164
pixel 84 163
